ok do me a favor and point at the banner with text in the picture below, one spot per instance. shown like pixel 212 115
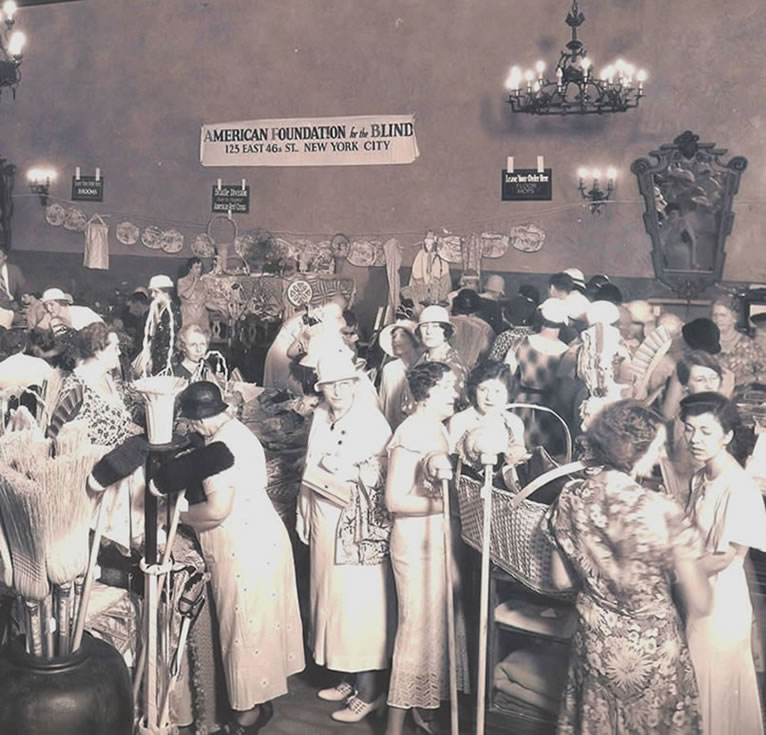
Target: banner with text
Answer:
pixel 321 141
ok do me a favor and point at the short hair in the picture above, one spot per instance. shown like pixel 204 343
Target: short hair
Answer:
pixel 13 341
pixel 138 297
pixel 620 435
pixel 349 316
pixel 528 291
pixel 92 339
pixel 696 357
pixel 447 328
pixel 488 370
pixel 466 301
pixel 728 302
pixel 608 292
pixel 727 415
pixel 189 329
pixel 425 376
pixel 561 282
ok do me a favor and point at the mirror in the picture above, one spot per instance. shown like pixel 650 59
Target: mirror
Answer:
pixel 688 194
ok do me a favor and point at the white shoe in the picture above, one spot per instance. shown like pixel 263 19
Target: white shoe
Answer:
pixel 356 709
pixel 339 693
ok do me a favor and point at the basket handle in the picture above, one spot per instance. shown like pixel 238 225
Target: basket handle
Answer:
pixel 538 407
pixel 544 479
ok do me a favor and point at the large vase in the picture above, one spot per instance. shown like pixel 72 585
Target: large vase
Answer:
pixel 85 693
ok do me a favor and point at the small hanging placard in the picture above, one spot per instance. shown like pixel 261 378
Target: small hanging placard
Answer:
pixel 527 184
pixel 232 198
pixel 87 188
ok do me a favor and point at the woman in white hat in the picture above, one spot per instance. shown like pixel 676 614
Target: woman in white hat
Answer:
pixel 434 330
pixel 163 322
pixel 399 342
pixel 342 517
pixel 538 359
pixel 63 315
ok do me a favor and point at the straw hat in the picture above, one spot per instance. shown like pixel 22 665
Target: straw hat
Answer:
pixel 323 344
pixel 602 312
pixel 577 276
pixel 201 400
pixel 387 333
pixel 56 294
pixel 333 367
pixel 554 310
pixel 160 281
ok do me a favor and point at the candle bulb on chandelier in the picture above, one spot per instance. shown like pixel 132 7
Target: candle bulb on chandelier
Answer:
pixel 641 78
pixel 582 174
pixel 9 10
pixel 586 65
pixel 596 176
pixel 16 43
pixel 529 76
pixel 540 66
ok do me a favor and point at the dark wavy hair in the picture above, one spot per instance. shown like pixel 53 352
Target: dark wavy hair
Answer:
pixel 92 339
pixel 727 415
pixel 425 376
pixel 620 435
pixel 488 370
pixel 466 301
pixel 696 357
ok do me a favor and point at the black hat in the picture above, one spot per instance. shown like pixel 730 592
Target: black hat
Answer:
pixel 519 311
pixel 466 301
pixel 702 334
pixel 201 400
pixel 759 320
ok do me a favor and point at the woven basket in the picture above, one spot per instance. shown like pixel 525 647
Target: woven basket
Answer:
pixel 517 543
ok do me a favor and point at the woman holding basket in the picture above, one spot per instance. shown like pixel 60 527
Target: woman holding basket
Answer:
pixel 630 670
pixel 419 675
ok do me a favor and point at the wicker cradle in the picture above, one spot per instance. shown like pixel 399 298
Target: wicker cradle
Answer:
pixel 517 542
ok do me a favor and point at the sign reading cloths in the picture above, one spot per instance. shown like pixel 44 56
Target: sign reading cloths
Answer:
pixel 321 141
pixel 231 198
pixel 87 189
pixel 527 184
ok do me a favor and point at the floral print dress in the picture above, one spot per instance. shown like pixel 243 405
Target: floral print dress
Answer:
pixel 630 669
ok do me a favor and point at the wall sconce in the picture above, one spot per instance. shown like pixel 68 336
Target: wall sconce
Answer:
pixel 596 196
pixel 39 180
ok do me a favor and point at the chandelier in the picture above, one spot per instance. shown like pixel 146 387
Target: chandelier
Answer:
pixel 11 43
pixel 575 90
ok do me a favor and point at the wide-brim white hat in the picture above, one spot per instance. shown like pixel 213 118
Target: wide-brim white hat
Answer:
pixel 56 294
pixel 602 312
pixel 334 367
pixel 160 281
pixel 387 333
pixel 555 310
pixel 325 344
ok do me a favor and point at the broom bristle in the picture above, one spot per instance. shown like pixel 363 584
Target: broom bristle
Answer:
pixel 25 451
pixel 24 522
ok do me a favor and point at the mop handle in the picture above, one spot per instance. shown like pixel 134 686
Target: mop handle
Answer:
pixel 175 669
pixel 453 704
pixel 90 572
pixel 488 460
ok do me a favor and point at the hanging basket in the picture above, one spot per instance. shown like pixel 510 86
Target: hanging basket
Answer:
pixel 159 393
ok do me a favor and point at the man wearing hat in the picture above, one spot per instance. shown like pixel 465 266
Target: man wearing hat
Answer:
pixel 248 553
pixel 64 314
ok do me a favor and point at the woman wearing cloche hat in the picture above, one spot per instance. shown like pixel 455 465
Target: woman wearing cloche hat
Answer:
pixel 398 341
pixel 163 322
pixel 248 554
pixel 342 517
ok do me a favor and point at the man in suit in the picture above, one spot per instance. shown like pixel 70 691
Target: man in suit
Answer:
pixel 12 284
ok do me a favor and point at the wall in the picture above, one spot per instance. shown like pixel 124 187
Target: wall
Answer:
pixel 126 84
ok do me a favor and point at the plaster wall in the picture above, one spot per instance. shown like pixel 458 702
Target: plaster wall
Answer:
pixel 126 84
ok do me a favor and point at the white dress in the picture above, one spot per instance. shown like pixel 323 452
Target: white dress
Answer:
pixel 728 510
pixel 250 561
pixel 353 607
pixel 419 673
pixel 393 382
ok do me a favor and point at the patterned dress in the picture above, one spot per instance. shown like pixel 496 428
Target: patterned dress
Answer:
pixel 419 674
pixel 630 670
pixel 728 510
pixel 508 342
pixel 742 358
pixel 538 360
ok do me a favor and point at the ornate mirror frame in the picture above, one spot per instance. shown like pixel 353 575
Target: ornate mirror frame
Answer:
pixel 688 194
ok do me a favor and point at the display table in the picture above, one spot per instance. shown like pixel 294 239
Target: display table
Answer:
pixel 265 295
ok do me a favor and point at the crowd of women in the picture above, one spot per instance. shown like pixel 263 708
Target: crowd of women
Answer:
pixel 663 642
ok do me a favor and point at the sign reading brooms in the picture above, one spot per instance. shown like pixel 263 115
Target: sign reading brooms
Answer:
pixel 322 141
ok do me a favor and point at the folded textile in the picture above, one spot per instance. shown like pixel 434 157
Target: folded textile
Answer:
pixel 542 669
pixel 536 618
pixel 514 697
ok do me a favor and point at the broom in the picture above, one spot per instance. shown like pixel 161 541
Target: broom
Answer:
pixel 24 521
pixel 25 450
pixel 69 511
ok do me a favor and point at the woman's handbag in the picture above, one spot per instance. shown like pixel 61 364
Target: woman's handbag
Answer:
pixel 328 486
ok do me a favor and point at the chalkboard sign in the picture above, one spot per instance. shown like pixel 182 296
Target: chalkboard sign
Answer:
pixel 87 189
pixel 231 197
pixel 527 184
